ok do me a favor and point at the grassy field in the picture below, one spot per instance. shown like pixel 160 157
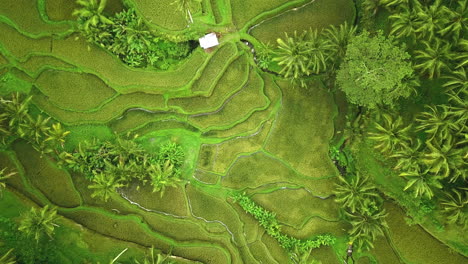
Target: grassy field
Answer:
pixel 241 129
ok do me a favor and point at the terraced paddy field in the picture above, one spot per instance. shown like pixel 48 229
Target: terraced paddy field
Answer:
pixel 241 129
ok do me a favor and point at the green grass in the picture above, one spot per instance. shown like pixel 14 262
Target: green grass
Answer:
pixel 301 137
pixel 295 207
pixel 19 45
pixel 319 14
pixel 54 183
pixel 107 112
pixel 10 83
pixel 243 11
pixel 164 14
pixel 34 65
pixel 215 68
pixel 74 91
pixel 416 245
pixel 81 133
pixel 141 121
pixel 250 97
pixel 230 82
pixel 15 11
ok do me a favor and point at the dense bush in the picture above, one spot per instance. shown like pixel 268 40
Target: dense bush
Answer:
pixel 268 221
pixel 126 35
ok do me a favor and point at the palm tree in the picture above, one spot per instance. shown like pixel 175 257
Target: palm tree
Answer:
pixel 319 51
pixel 444 159
pixel 456 207
pixel 39 222
pixel 371 6
pixel 432 19
pixel 104 185
pixel 292 55
pixel 434 58
pixel 162 176
pixel 462 56
pixel 367 226
pixel 457 81
pixel 421 183
pixel 35 129
pixel 391 134
pixel 458 109
pixel 457 22
pixel 7 258
pixel 91 13
pixel 437 122
pixel 338 39
pixel 57 135
pixel 408 157
pixel 353 193
pixel 404 24
pixel 4 128
pixel 3 177
pixel 16 111
pixel 184 6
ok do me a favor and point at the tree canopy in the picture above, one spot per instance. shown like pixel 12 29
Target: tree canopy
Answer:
pixel 375 71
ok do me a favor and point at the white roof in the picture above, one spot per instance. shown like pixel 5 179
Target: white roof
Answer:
pixel 208 41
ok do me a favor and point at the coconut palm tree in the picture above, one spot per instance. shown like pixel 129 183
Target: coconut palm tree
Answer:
pixel 35 130
pixel 104 185
pixel 292 55
pixel 16 110
pixel 57 135
pixel 408 157
pixel 162 176
pixel 404 24
pixel 455 206
pixel 371 7
pixel 338 39
pixel 8 258
pixel 458 108
pixel 457 81
pixel 444 159
pixel 462 56
pixel 432 19
pixel 353 193
pixel 421 183
pixel 91 13
pixel 4 128
pixel 391 135
pixel 3 177
pixel 457 22
pixel 434 58
pixel 38 223
pixel 184 6
pixel 366 227
pixel 437 122
pixel 319 51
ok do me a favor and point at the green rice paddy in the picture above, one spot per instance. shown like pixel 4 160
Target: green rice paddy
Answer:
pixel 241 129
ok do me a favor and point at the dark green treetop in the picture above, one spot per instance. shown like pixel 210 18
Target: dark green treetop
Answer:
pixel 375 71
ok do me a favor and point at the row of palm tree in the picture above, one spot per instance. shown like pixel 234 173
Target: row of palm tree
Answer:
pixel 363 208
pixel 114 164
pixel 310 52
pixel 17 122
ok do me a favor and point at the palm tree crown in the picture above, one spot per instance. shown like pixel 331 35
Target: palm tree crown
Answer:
pixel 39 222
pixel 353 193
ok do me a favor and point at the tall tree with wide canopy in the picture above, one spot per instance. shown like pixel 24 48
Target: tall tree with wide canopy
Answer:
pixel 374 70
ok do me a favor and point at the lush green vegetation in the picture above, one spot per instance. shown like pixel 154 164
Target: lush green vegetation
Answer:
pixel 123 142
pixel 126 35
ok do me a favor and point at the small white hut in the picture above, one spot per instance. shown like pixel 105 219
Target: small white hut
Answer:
pixel 209 41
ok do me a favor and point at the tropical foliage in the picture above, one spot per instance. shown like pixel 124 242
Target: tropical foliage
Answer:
pixel 4 175
pixel 391 134
pixel 126 35
pixel 374 71
pixel 8 258
pixel 366 227
pixel 268 221
pixel 39 223
pixel 355 193
pixel 455 206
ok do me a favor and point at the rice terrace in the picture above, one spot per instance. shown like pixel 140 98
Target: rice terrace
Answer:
pixel 234 131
